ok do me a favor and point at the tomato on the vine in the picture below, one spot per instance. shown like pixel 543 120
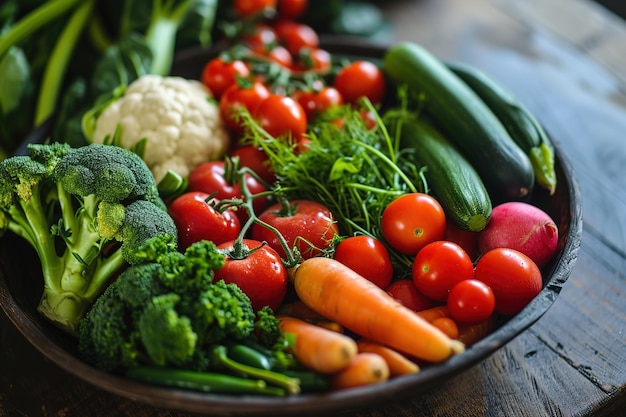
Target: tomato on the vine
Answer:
pixel 276 53
pixel 361 79
pixel 471 301
pixel 219 74
pixel 313 59
pixel 307 225
pixel 249 8
pixel 514 278
pixel 238 96
pixel 412 221
pixel 259 35
pixel 367 256
pixel 404 291
pixel 196 218
pixel 315 102
pixel 295 35
pixel 257 270
pixel 256 159
pixel 281 116
pixel 438 266
pixel 211 178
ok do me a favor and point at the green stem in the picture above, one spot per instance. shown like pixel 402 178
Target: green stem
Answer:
pixel 59 60
pixel 34 21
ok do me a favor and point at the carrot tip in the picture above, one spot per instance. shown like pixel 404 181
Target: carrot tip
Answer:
pixel 457 347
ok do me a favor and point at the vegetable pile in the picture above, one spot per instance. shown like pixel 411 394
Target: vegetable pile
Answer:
pixel 355 220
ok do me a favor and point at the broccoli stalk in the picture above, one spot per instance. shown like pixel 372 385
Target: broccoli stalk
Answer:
pixel 85 211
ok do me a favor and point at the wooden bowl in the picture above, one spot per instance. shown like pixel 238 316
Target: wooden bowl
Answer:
pixel 21 284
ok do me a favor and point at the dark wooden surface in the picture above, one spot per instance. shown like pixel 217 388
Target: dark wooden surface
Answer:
pixel 564 59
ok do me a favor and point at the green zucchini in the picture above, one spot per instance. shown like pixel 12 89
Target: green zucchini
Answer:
pixel 523 127
pixel 465 120
pixel 452 180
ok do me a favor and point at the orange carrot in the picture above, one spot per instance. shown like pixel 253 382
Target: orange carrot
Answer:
pixel 299 310
pixel 342 295
pixel 447 325
pixel 365 369
pixel 430 314
pixel 398 363
pixel 470 334
pixel 318 348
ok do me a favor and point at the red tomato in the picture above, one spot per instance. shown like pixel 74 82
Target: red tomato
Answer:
pixel 315 102
pixel 514 278
pixel 255 158
pixel 209 177
pixel 238 96
pixel 260 35
pixel 218 74
pixel 412 221
pixel 404 291
pixel 313 59
pixel 249 8
pixel 196 219
pixel 438 266
pixel 260 274
pixel 471 301
pixel 292 9
pixel 367 256
pixel 275 53
pixel 281 116
pixel 295 35
pixel 464 238
pixel 359 79
pixel 307 225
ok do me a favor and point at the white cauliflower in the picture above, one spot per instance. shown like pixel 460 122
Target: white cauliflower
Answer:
pixel 182 125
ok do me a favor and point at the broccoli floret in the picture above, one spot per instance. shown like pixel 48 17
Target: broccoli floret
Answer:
pixel 172 312
pixel 85 211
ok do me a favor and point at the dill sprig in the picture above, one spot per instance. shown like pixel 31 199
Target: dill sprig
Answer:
pixel 353 170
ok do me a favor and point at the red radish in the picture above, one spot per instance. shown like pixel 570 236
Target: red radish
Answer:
pixel 523 227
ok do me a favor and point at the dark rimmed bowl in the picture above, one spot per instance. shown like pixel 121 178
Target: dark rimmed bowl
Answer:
pixel 21 283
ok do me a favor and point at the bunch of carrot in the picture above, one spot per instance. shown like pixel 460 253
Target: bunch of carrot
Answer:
pixel 391 339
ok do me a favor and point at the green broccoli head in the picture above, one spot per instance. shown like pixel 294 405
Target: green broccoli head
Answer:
pixel 74 206
pixel 168 337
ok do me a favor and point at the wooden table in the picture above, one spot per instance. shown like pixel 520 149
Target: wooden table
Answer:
pixel 564 59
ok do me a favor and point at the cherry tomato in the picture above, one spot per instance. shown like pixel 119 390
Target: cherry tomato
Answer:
pixel 197 219
pixel 260 273
pixel 260 35
pixel 281 116
pixel 514 278
pixel 305 224
pixel 404 291
pixel 466 239
pixel 438 266
pixel 471 301
pixel 239 96
pixel 412 221
pixel 359 79
pixel 249 8
pixel 315 102
pixel 256 159
pixel 367 256
pixel 295 35
pixel 292 9
pixel 275 53
pixel 210 178
pixel 313 59
pixel 219 74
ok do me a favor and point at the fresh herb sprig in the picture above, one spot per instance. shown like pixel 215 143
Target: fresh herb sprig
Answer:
pixel 352 169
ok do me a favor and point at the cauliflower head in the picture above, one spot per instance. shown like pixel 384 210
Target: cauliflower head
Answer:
pixel 176 116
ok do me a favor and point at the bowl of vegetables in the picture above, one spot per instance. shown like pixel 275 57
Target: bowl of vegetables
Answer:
pixel 359 161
